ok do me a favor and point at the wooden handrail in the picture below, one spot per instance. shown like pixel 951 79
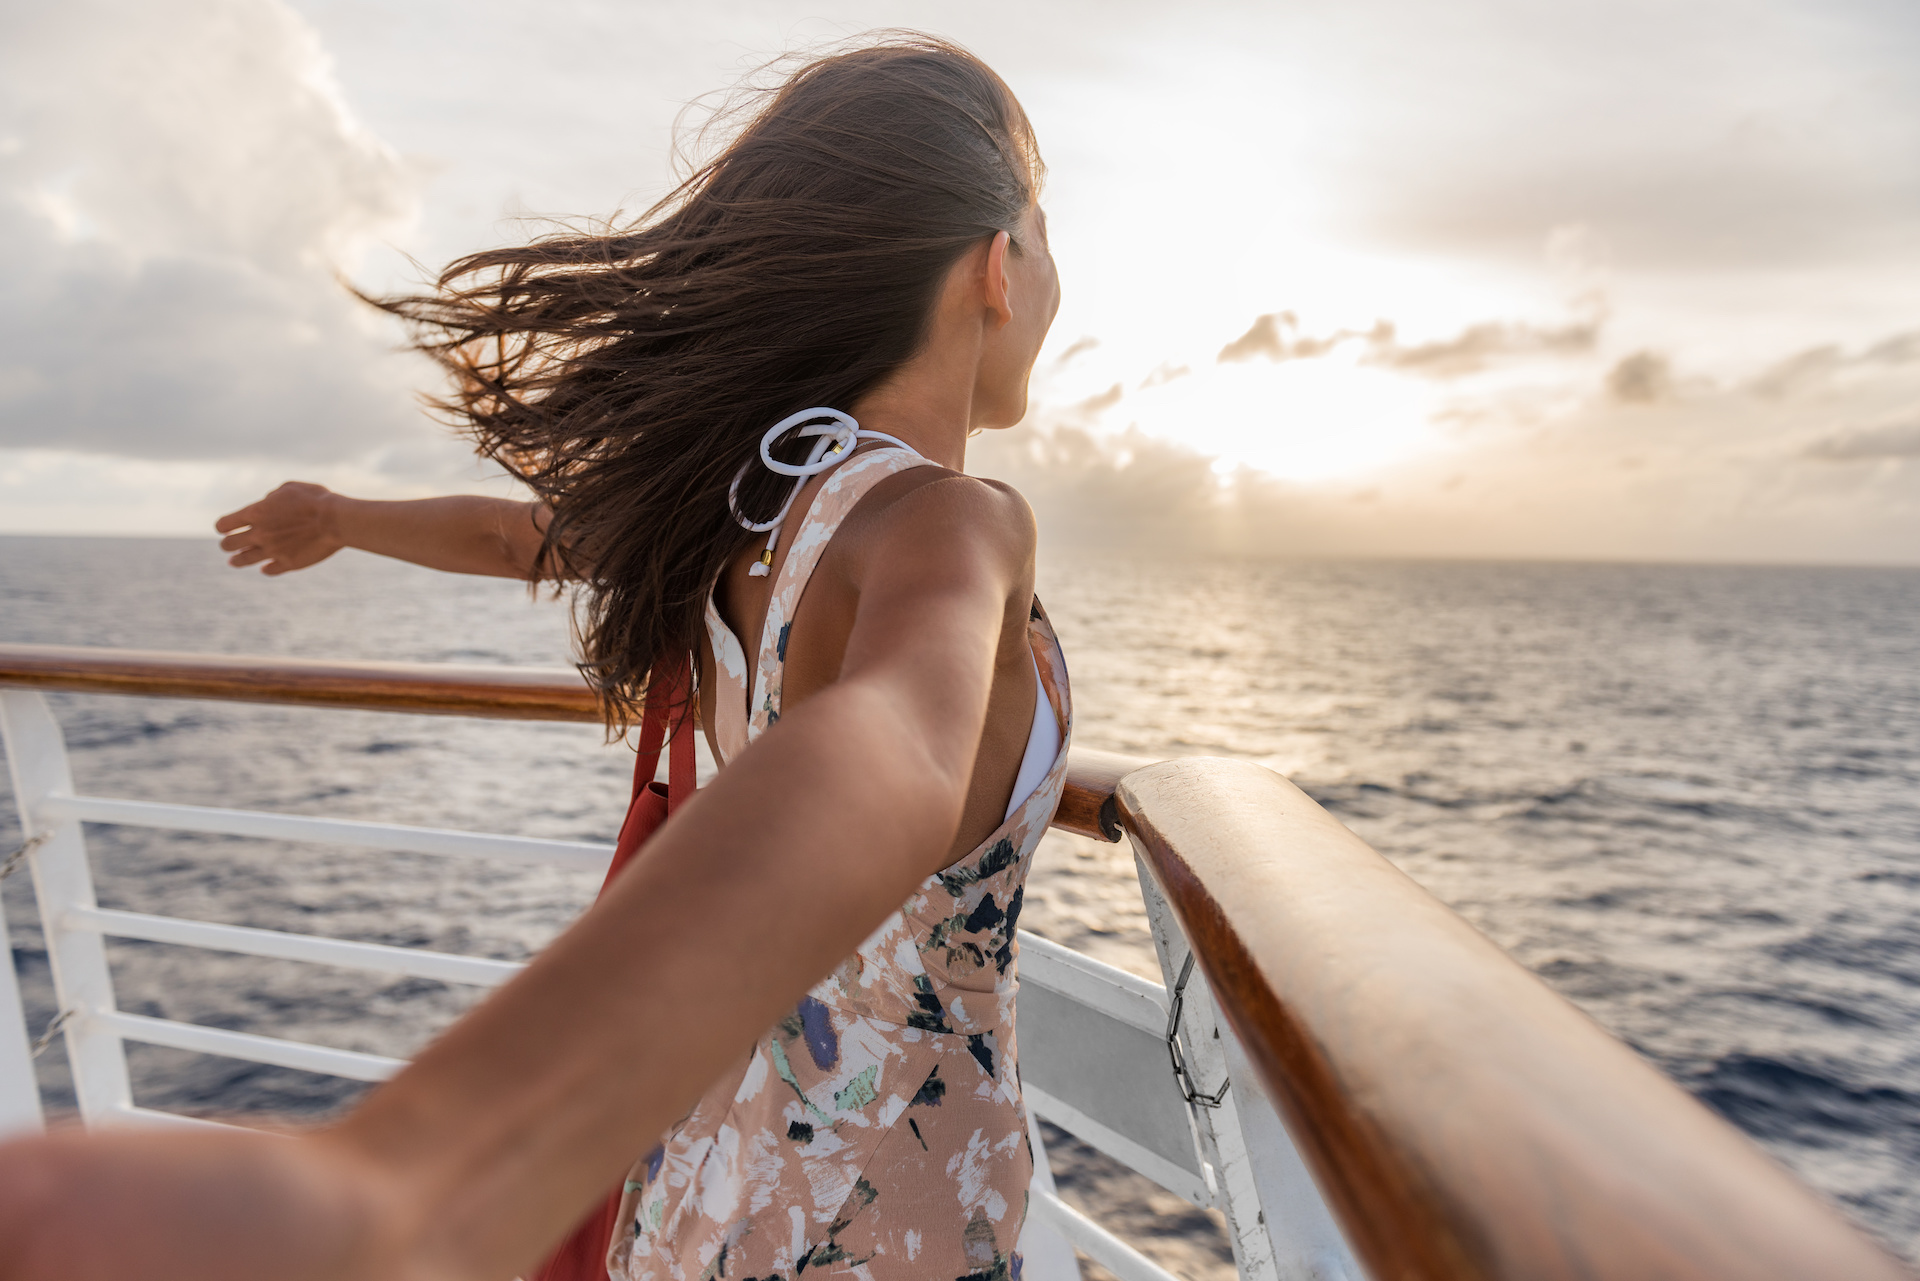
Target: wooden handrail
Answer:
pixel 1463 1120
pixel 435 689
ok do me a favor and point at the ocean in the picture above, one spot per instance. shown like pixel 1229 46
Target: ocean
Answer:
pixel 1687 797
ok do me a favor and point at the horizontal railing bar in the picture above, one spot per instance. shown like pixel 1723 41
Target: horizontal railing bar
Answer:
pixel 154 1117
pixel 1106 988
pixel 1094 1241
pixel 381 958
pixel 589 855
pixel 253 1048
pixel 438 689
pixel 1091 1131
pixel 1465 1122
pixel 1086 805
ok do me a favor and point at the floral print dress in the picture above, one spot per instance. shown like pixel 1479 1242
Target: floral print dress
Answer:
pixel 877 1131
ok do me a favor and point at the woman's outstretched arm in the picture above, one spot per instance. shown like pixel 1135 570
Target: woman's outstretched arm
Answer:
pixel 481 1154
pixel 301 524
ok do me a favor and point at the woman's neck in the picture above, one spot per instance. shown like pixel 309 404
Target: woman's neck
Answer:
pixel 935 428
pixel 928 402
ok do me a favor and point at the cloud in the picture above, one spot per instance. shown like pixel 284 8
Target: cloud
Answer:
pixel 1860 444
pixel 1095 405
pixel 181 185
pixel 1479 346
pixel 1264 339
pixel 1900 349
pixel 1817 368
pixel 1080 347
pixel 1276 337
pixel 1640 379
pixel 1126 491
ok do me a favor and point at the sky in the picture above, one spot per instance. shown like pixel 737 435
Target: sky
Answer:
pixel 1494 278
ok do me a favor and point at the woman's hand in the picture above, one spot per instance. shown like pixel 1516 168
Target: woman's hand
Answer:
pixel 291 528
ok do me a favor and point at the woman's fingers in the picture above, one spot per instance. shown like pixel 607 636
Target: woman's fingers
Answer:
pixel 237 519
pixel 287 529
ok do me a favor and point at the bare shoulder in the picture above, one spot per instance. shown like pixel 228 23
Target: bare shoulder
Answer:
pixel 933 510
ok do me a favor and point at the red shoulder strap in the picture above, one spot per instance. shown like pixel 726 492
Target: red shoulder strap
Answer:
pixel 671 687
pixel 648 809
pixel 680 770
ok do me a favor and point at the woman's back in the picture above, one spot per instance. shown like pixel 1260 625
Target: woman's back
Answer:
pixel 822 616
pixel 881 1121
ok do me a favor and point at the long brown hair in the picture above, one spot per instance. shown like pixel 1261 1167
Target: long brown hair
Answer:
pixel 625 377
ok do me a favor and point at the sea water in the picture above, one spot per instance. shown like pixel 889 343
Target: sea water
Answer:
pixel 1684 796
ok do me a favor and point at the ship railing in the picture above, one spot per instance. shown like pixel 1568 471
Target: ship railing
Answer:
pixel 1360 1082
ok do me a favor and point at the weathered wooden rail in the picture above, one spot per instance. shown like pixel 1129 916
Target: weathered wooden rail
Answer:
pixel 1458 1119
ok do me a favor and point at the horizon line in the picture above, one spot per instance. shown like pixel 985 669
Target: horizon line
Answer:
pixel 1305 558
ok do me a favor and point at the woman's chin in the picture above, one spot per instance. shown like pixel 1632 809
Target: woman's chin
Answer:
pixel 1001 416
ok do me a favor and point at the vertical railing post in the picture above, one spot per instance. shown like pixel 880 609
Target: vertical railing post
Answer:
pixel 1307 1243
pixel 1047 1255
pixel 82 984
pixel 19 1090
pixel 1222 1146
pixel 1281 1228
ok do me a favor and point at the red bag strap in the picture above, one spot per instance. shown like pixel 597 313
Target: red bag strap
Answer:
pixel 669 688
pixel 666 690
pixel 680 771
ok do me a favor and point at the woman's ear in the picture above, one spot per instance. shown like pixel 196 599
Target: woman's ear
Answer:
pixel 999 284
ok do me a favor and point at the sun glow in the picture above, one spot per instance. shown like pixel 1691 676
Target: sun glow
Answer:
pixel 1308 422
pixel 1305 421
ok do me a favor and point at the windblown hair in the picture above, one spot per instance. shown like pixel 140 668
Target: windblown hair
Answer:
pixel 626 377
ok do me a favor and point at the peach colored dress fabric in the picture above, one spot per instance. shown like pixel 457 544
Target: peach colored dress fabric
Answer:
pixel 877 1131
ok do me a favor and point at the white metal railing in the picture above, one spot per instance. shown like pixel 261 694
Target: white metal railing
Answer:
pixel 327 831
pixel 1093 1038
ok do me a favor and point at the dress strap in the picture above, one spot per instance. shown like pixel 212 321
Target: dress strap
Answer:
pixel 834 440
pixel 845 487
pixel 731 686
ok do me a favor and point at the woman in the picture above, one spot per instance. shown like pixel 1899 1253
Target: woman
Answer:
pixel 805 980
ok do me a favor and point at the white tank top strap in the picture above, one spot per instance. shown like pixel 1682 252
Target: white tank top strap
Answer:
pixel 835 436
pixel 846 486
pixel 730 687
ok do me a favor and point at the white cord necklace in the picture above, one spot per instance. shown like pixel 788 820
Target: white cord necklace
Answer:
pixel 836 439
